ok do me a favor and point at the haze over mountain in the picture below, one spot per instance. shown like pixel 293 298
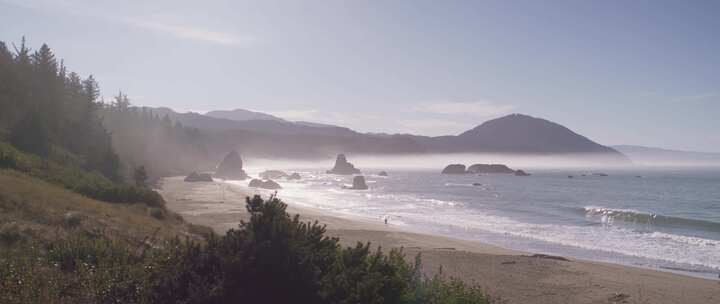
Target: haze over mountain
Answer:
pixel 519 133
pixel 241 115
pixel 276 125
pixel 271 136
pixel 658 156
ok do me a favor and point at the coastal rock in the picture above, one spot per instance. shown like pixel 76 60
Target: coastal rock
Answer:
pixel 343 167
pixel 477 184
pixel 266 184
pixel 358 183
pixel 600 174
pixel 382 173
pixel 295 176
pixel 273 174
pixel 231 167
pixel 198 177
pixel 521 173
pixel 454 169
pixel 490 169
pixel 256 183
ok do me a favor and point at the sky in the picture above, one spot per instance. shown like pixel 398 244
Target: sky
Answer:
pixel 619 72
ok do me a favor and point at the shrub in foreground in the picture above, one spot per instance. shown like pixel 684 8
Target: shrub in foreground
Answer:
pixel 276 258
pixel 272 258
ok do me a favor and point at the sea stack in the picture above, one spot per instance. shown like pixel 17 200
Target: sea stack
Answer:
pixel 359 183
pixel 343 167
pixel 454 169
pixel 231 167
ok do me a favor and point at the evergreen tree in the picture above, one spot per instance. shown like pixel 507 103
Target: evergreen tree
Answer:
pixel 140 176
pixel 43 105
pixel 121 103
pixel 30 135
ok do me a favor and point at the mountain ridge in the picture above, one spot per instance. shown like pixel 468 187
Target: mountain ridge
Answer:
pixel 242 115
pixel 511 134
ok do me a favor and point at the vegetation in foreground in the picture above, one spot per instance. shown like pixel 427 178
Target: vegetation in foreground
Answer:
pixel 272 258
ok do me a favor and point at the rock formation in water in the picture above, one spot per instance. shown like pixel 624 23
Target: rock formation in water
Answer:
pixel 495 169
pixel 490 169
pixel 295 176
pixel 358 183
pixel 273 174
pixel 266 184
pixel 454 169
pixel 343 167
pixel 195 177
pixel 231 167
pixel 483 169
pixel 521 173
pixel 382 173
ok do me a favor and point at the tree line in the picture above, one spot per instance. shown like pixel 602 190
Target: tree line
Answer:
pixel 50 111
pixel 45 108
pixel 156 143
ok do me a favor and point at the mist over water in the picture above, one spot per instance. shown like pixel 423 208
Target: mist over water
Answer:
pixel 439 161
pixel 666 218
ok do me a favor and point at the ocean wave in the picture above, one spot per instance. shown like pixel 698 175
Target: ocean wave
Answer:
pixel 458 185
pixel 611 216
pixel 656 245
pixel 459 216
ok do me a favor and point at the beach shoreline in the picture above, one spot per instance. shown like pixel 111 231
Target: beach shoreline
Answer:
pixel 514 276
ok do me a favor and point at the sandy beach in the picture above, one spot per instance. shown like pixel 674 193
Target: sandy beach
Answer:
pixel 514 276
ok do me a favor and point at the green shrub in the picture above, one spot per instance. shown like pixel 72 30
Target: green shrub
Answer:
pixel 10 233
pixel 272 258
pixel 157 213
pixel 275 258
pixel 80 270
pixel 76 179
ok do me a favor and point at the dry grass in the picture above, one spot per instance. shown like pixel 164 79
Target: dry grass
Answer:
pixel 44 211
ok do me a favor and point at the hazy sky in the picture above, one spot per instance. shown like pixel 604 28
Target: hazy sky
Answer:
pixel 619 72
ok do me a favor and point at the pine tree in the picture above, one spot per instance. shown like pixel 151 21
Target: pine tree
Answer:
pixel 121 103
pixel 31 135
pixel 140 176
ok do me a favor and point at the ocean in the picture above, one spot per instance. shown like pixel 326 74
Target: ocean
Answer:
pixel 666 219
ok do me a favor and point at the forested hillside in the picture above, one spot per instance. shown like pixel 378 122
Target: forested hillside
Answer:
pixel 46 109
pixel 50 111
pixel 144 138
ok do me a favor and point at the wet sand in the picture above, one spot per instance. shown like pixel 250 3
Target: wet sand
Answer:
pixel 514 276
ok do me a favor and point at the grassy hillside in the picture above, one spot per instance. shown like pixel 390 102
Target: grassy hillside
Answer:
pixel 63 168
pixel 57 246
pixel 32 209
